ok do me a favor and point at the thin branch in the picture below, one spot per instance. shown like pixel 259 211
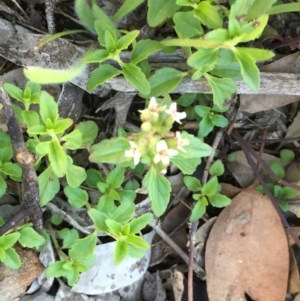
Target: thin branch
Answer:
pixel 30 188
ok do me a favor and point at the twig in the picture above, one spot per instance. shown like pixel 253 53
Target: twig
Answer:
pixel 247 151
pixel 49 9
pixel 156 226
pixel 30 189
pixel 265 165
pixel 193 229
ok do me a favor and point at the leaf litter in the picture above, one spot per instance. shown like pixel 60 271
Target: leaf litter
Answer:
pixel 246 243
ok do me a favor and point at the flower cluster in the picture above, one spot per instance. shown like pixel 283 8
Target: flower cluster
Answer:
pixel 158 148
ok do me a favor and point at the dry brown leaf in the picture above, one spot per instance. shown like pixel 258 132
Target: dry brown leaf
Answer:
pixel 230 190
pixel 247 252
pixel 253 103
pixel 294 280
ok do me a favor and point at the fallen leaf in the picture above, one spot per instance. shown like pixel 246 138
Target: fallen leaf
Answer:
pixel 294 280
pixel 242 171
pixel 247 252
pixel 229 190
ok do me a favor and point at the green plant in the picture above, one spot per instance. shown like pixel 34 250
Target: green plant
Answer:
pixel 281 193
pixel 207 193
pixel 215 40
pixel 24 235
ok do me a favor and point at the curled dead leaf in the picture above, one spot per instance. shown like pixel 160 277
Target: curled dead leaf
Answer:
pixel 247 252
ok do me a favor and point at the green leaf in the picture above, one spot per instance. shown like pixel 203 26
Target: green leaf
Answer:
pixel 31 118
pixel 289 193
pixel 110 41
pixel 126 195
pixel 12 259
pixel 256 53
pixel 103 23
pixel 211 187
pixel 56 269
pixel 6 151
pixel 165 80
pixel 77 197
pixel 84 247
pixel 142 49
pixel 58 158
pixel 203 59
pixel 222 88
pixel 120 252
pixel 100 75
pixel 249 70
pixel 126 40
pixel 219 200
pixel 205 127
pixel 159 11
pixel 253 30
pixel 277 169
pixel 93 177
pixel 89 131
pixel 37 130
pixel 73 140
pixel 110 151
pixel 284 206
pixel 127 7
pixel 114 227
pixel 29 238
pixel 48 108
pixel 48 185
pixel 186 99
pixel 208 15
pixel 7 241
pixel 51 76
pixel 69 236
pixel 159 189
pixel 62 125
pixel 75 174
pixel 98 220
pixel 13 91
pixel 85 14
pixel 106 205
pixel 96 56
pixel 192 183
pixel 116 177
pixel 219 120
pixel 138 224
pixel 196 148
pixel 198 211
pixel 287 156
pixel 124 212
pixel 11 169
pixel 3 186
pixel 186 165
pixel 186 25
pixel 217 168
pixel 239 8
pixel 137 241
pixel 134 75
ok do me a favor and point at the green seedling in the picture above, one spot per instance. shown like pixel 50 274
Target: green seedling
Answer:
pixel 207 193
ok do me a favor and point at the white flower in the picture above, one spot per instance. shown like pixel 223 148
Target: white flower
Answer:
pixel 153 107
pixel 181 142
pixel 173 112
pixel 134 153
pixel 164 153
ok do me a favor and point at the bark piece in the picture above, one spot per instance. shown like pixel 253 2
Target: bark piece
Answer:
pixel 14 283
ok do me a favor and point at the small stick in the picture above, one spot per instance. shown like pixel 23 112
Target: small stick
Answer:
pixel 30 189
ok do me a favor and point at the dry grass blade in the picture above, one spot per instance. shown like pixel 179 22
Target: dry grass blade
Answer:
pixel 247 252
